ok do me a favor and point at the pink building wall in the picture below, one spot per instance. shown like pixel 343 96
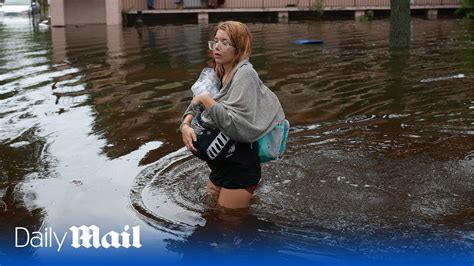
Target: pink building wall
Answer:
pixel 169 4
pixel 78 12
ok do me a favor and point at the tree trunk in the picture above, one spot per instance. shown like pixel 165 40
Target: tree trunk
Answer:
pixel 399 24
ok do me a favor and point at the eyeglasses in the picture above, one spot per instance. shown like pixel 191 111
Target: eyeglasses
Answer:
pixel 225 44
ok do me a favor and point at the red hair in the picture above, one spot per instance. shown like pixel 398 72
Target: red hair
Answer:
pixel 241 37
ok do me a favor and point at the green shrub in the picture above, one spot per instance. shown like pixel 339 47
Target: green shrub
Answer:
pixel 467 8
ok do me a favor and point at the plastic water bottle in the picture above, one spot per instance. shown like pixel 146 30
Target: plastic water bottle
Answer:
pixel 207 83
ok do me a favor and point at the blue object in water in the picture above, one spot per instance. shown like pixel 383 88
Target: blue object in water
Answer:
pixel 309 42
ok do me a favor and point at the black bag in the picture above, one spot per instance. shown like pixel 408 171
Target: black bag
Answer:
pixel 211 143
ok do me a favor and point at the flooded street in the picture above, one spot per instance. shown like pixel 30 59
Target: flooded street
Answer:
pixel 379 165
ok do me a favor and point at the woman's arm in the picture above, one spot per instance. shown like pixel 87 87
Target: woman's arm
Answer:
pixel 187 120
pixel 188 133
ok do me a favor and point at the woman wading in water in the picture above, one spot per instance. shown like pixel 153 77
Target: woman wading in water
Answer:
pixel 243 110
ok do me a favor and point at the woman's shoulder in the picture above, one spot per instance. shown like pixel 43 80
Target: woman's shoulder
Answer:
pixel 245 70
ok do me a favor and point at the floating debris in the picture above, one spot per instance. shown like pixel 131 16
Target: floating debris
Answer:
pixel 19 144
pixel 304 41
pixel 76 182
pixel 458 76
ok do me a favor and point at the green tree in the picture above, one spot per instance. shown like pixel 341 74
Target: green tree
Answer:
pixel 467 7
pixel 400 24
pixel 318 6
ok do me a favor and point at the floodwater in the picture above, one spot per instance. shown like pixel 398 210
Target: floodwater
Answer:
pixel 379 166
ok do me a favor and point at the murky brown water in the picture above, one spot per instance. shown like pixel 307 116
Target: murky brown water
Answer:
pixel 380 159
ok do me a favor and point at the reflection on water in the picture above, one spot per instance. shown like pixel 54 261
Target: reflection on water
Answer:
pixel 242 238
pixel 378 162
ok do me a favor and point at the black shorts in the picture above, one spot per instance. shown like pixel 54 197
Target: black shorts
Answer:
pixel 240 170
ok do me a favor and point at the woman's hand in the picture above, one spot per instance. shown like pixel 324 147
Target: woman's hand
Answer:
pixel 189 136
pixel 196 100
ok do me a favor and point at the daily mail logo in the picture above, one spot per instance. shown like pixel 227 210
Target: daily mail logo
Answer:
pixel 83 236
